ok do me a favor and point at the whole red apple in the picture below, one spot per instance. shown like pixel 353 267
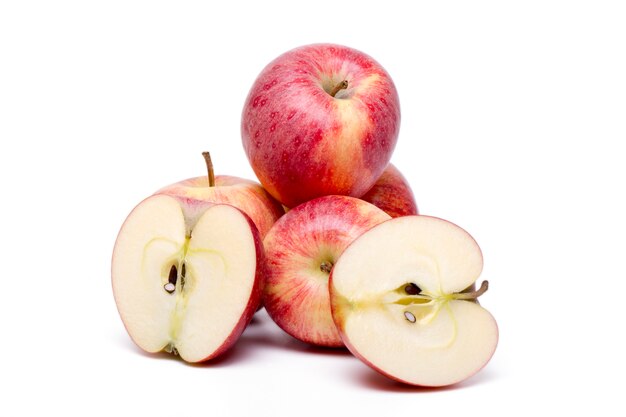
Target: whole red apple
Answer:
pixel 392 194
pixel 301 249
pixel 320 119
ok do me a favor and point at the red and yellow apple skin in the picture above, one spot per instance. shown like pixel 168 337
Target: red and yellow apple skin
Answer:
pixel 392 194
pixel 304 143
pixel 300 249
pixel 248 196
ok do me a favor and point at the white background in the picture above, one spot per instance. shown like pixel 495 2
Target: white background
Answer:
pixel 513 125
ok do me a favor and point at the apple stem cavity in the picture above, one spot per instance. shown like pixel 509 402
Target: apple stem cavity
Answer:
pixel 341 86
pixel 209 168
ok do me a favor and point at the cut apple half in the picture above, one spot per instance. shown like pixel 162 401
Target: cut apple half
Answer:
pixel 400 301
pixel 189 290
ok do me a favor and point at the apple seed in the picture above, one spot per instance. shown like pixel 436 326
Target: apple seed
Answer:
pixel 173 275
pixel 410 316
pixel 412 289
pixel 170 287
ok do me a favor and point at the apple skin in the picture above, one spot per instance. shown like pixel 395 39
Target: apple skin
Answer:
pixel 248 196
pixel 296 290
pixel 392 194
pixel 303 143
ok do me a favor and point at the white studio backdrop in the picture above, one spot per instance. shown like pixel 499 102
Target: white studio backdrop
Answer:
pixel 513 124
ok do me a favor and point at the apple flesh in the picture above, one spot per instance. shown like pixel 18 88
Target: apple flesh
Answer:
pixel 301 249
pixel 186 287
pixel 392 194
pixel 197 194
pixel 321 119
pixel 398 302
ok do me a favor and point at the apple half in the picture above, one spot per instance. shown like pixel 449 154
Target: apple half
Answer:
pixel 398 301
pixel 188 289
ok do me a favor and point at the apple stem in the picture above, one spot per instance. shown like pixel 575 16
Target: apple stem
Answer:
pixel 474 294
pixel 209 168
pixel 341 86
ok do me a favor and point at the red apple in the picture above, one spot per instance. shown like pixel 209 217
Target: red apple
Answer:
pixel 198 194
pixel 301 249
pixel 186 286
pixel 320 119
pixel 399 299
pixel 392 194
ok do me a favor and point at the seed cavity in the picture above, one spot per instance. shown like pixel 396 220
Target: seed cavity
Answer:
pixel 412 289
pixel 410 316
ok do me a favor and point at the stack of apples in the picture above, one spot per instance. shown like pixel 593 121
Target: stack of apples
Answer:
pixel 330 242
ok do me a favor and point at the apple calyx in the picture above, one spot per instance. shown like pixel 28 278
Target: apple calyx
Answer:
pixel 341 86
pixel 326 266
pixel 209 168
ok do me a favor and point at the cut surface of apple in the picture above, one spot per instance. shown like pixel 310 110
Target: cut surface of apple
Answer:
pixel 398 301
pixel 186 291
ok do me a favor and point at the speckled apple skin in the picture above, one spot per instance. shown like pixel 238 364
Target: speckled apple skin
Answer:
pixel 296 290
pixel 392 194
pixel 248 196
pixel 303 143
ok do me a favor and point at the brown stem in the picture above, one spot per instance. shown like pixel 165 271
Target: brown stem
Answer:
pixel 209 168
pixel 341 86
pixel 474 294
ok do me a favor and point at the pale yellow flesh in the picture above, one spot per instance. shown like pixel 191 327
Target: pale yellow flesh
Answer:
pixel 450 339
pixel 220 261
